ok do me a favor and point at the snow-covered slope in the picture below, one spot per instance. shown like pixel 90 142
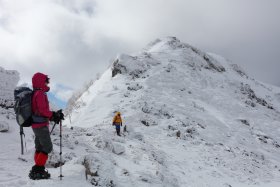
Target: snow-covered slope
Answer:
pixel 8 81
pixel 194 119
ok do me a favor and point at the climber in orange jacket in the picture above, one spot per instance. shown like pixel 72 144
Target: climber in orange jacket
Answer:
pixel 117 121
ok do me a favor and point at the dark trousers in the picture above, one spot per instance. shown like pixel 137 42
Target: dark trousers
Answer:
pixel 118 129
pixel 43 141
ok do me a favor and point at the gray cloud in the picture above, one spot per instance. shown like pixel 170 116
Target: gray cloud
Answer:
pixel 73 40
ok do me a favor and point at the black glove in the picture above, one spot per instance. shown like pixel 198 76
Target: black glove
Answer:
pixel 57 116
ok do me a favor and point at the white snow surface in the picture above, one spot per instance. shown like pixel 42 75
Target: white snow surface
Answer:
pixel 193 119
pixel 8 81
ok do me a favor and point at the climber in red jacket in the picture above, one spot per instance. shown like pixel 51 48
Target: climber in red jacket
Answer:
pixel 41 115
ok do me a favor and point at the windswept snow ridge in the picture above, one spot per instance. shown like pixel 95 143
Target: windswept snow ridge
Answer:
pixel 193 119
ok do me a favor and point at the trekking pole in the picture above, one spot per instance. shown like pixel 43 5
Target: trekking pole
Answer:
pixel 21 140
pixel 53 128
pixel 60 151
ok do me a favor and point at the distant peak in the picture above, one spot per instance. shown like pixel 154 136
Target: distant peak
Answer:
pixel 170 42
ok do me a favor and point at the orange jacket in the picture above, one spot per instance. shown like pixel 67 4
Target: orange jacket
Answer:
pixel 117 119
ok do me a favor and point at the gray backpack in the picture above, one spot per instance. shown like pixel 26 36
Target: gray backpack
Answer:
pixel 23 106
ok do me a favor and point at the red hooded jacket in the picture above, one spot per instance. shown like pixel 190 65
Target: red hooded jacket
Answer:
pixel 40 102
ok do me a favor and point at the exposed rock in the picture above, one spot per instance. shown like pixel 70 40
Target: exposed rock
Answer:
pixel 131 65
pixel 212 65
pixel 178 134
pixel 134 87
pixel 245 122
pixel 118 149
pixel 246 90
pixel 4 126
pixel 238 69
pixel 118 68
pixel 144 122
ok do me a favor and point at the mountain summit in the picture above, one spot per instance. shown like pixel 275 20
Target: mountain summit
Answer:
pixel 193 119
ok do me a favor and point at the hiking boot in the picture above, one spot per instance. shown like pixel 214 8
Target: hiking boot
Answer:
pixel 39 172
pixel 39 175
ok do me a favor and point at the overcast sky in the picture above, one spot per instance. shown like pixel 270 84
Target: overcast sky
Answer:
pixel 73 40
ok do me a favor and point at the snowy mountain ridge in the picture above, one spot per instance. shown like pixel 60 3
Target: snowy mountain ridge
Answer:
pixel 200 120
pixel 193 119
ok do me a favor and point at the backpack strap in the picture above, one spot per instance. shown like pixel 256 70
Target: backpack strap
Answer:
pixel 36 118
pixel 34 95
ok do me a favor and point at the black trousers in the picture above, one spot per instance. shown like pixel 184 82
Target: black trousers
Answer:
pixel 43 142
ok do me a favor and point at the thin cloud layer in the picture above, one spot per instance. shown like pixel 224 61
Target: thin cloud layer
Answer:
pixel 73 40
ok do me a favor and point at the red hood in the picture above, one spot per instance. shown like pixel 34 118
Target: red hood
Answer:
pixel 39 82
